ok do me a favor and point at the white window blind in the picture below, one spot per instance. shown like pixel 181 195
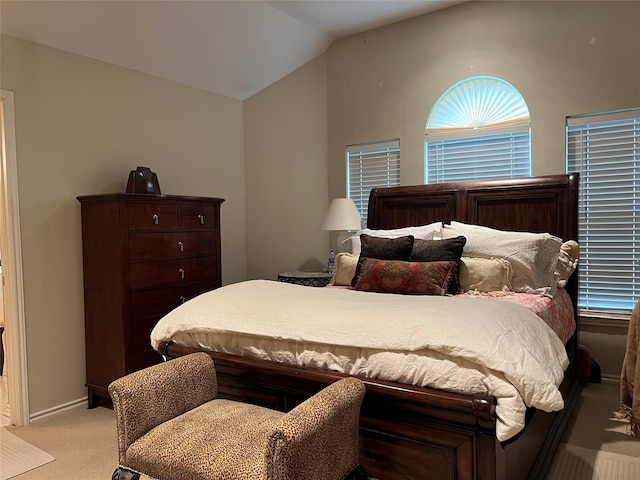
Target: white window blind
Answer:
pixel 370 166
pixel 478 128
pixel 605 150
pixel 497 154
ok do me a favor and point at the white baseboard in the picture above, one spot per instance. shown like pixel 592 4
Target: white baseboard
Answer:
pixel 58 409
pixel 607 378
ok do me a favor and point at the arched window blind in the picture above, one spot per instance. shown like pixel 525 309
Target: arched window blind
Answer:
pixel 605 150
pixel 370 166
pixel 479 128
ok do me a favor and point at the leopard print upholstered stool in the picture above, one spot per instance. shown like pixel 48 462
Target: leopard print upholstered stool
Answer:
pixel 171 426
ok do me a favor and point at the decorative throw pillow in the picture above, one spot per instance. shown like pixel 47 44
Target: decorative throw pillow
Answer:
pixel 352 244
pixel 439 250
pixel 533 256
pixel 345 269
pixel 567 261
pixel 384 249
pixel 410 278
pixel 485 274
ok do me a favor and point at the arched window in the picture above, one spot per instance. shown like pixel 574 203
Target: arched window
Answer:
pixel 479 128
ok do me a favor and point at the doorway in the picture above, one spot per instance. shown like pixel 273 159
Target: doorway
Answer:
pixel 11 258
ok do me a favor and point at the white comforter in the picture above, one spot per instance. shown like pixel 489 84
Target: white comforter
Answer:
pixel 451 343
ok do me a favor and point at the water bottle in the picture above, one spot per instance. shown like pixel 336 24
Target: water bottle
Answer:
pixel 332 263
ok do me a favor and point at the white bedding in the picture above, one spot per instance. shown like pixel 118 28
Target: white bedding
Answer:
pixel 451 343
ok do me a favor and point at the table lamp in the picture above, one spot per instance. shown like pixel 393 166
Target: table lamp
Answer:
pixel 342 216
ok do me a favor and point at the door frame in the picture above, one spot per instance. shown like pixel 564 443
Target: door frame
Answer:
pixel 12 275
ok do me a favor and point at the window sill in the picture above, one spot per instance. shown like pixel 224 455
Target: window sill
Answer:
pixel 608 325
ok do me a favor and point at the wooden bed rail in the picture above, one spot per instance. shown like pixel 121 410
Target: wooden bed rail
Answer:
pixel 481 406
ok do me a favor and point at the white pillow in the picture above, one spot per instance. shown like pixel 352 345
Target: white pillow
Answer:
pixel 426 232
pixel 485 274
pixel 533 256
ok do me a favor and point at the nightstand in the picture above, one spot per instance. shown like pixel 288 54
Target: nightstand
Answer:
pixel 308 279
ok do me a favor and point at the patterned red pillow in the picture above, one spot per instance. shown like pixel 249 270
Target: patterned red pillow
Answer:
pixel 413 278
pixel 384 248
pixel 438 251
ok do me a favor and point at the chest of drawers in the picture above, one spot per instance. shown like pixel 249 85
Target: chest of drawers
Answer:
pixel 143 255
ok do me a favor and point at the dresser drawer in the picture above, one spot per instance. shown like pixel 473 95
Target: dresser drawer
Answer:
pixel 161 301
pixel 143 246
pixel 172 272
pixel 153 217
pixel 198 217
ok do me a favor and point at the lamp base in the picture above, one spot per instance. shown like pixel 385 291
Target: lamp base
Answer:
pixel 337 238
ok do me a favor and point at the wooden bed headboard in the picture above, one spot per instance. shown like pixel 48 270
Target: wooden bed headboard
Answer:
pixel 532 204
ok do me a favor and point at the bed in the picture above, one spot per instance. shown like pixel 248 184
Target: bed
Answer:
pixel 409 431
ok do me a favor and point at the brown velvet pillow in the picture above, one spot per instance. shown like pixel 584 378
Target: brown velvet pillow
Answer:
pixel 440 250
pixel 399 248
pixel 411 278
pixel 384 249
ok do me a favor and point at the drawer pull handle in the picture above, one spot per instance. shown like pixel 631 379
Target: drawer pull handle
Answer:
pixel 181 246
pixel 201 218
pixel 182 299
pixel 181 272
pixel 155 218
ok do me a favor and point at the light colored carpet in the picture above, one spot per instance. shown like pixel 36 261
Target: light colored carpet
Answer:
pixel 82 440
pixel 576 463
pixel 597 445
pixel 595 426
pixel 18 456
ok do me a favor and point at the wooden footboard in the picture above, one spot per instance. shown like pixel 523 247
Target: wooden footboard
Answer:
pixel 406 432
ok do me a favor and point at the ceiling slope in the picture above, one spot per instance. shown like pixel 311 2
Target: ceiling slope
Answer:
pixel 233 48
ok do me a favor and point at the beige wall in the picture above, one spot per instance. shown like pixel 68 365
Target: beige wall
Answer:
pixel 81 126
pixel 383 83
pixel 286 161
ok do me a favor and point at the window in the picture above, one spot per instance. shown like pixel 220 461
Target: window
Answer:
pixel 605 150
pixel 370 166
pixel 479 128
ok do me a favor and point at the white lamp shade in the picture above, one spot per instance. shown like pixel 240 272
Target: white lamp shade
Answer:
pixel 342 215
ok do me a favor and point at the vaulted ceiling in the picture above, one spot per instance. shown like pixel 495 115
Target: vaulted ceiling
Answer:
pixel 233 48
